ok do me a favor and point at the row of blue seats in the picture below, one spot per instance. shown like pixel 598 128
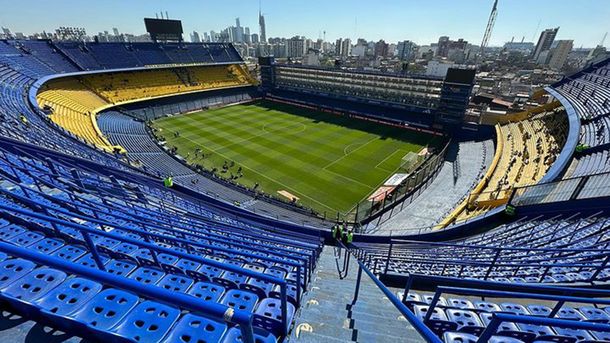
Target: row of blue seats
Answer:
pixel 113 213
pixel 539 250
pixel 596 132
pixel 94 56
pixel 463 311
pixel 593 163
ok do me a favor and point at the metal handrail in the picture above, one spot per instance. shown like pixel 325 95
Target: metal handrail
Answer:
pixel 85 231
pixel 217 311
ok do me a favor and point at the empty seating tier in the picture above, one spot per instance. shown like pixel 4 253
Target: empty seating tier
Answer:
pixel 110 254
pixel 73 102
pixel 525 150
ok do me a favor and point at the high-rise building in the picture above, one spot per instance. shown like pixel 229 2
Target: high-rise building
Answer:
pixel 547 37
pixel 247 37
pixel 115 31
pixel 239 32
pixel 254 38
pixel 406 50
pixel 381 49
pixel 559 54
pixel 195 37
pixel 295 47
pixel 343 47
pixel 262 29
pixel 443 46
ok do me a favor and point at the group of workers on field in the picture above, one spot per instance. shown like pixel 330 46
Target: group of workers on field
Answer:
pixel 342 233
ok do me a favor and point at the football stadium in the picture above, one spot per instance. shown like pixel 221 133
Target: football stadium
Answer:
pixel 173 191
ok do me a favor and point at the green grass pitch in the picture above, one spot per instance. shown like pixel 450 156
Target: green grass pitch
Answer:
pixel 329 162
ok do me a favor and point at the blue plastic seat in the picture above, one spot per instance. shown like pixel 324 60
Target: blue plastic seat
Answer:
pixel 167 259
pixel 595 314
pixel 438 322
pixel 514 308
pixel 196 329
pixel 460 337
pixel 230 280
pixel 70 252
pixel 175 283
pixel 276 272
pixel 104 311
pixel 13 269
pixel 10 231
pixel 120 268
pixel 291 292
pixel 579 335
pixel 123 250
pixel 258 286
pixel 539 310
pixel 206 291
pixel 260 336
pixel 463 304
pixel 47 245
pixel 186 265
pixel 487 306
pixel 88 261
pixel 144 257
pixel 254 267
pixel 68 297
pixel 3 256
pixel 147 275
pixel 467 321
pixel 22 293
pixel 567 312
pixel 268 314
pixel 105 244
pixel 27 238
pixel 240 300
pixel 204 273
pixel 538 330
pixel 507 328
pixel 149 322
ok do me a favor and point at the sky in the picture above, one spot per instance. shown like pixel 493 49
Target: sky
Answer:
pixel 422 21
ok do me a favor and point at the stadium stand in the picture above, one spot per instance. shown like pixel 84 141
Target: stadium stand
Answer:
pixel 124 87
pixel 94 221
pixel 553 250
pixel 525 150
pixel 464 166
pixel 74 102
pixel 91 243
pixel 502 313
pixel 73 106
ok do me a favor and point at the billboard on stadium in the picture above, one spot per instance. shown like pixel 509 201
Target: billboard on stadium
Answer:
pixel 164 29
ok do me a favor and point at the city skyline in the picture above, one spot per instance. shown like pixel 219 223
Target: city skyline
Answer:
pixel 343 19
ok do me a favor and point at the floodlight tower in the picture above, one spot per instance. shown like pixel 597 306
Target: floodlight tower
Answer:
pixel 490 27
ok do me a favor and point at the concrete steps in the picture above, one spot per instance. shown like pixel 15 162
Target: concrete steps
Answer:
pixel 328 315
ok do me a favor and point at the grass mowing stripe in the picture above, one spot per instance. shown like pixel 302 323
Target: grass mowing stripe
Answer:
pixel 330 162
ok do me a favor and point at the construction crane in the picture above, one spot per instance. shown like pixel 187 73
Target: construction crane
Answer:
pixel 490 27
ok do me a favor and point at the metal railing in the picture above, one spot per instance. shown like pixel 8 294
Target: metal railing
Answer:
pixel 154 250
pixel 218 312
